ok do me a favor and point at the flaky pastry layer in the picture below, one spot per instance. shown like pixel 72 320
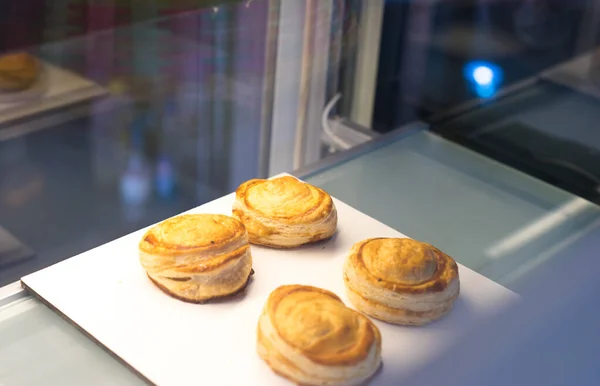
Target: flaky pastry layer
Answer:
pixel 197 257
pixel 402 316
pixel 309 336
pixel 284 212
pixel 391 280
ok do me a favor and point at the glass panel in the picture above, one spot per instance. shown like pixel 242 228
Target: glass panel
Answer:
pixel 37 347
pixel 498 222
pixel 514 80
pixel 438 55
pixel 117 114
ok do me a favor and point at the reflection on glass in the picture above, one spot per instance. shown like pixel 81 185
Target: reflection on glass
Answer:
pixel 135 181
pixel 484 77
pixel 165 178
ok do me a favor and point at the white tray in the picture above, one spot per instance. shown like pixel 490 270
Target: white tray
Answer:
pixel 107 294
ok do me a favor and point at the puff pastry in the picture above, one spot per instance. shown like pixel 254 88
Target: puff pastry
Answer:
pixel 18 71
pixel 400 280
pixel 197 257
pixel 307 335
pixel 284 212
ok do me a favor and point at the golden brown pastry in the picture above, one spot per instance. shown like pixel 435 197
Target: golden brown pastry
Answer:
pixel 400 280
pixel 307 335
pixel 18 71
pixel 197 257
pixel 284 212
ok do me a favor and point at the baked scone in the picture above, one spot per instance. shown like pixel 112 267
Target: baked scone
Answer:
pixel 18 71
pixel 307 335
pixel 400 280
pixel 284 212
pixel 197 257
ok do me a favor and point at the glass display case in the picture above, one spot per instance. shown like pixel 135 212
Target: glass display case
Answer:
pixel 466 124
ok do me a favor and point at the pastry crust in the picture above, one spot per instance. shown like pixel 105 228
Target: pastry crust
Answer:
pixel 307 335
pixel 18 71
pixel 284 212
pixel 400 280
pixel 197 257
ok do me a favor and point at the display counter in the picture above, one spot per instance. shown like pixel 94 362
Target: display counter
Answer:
pixel 491 218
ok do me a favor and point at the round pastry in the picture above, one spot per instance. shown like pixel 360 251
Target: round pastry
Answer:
pixel 18 71
pixel 307 335
pixel 284 212
pixel 400 280
pixel 197 257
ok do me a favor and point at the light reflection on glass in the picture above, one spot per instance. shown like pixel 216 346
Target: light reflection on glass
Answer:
pixel 483 77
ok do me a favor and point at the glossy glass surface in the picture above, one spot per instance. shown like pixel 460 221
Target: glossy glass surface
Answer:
pixel 37 347
pixel 499 222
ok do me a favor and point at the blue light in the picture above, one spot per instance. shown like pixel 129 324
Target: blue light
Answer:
pixel 483 75
pixel 484 78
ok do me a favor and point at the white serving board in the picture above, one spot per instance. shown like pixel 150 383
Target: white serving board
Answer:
pixel 106 292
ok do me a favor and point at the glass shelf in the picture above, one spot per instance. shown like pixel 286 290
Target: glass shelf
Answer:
pixel 500 223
